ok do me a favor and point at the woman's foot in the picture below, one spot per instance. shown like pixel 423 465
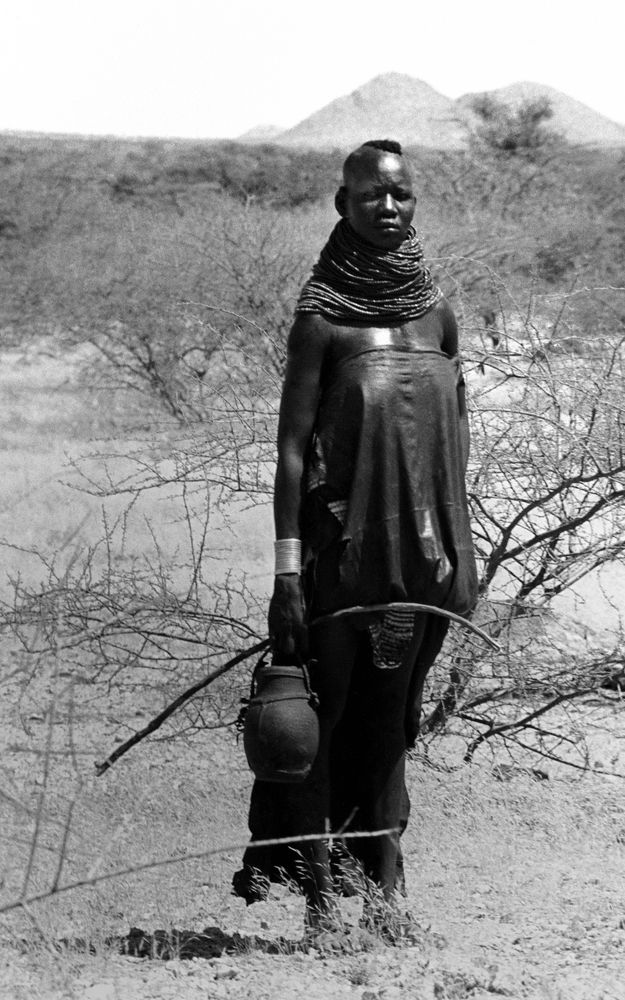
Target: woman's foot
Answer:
pixel 391 921
pixel 250 884
pixel 326 931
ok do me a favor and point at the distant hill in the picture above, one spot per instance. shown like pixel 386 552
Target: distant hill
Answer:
pixel 261 133
pixel 578 123
pixel 393 105
pixel 399 106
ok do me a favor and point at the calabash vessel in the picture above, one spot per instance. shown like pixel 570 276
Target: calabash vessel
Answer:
pixel 281 728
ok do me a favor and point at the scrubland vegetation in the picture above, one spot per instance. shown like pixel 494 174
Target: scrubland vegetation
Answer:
pixel 164 275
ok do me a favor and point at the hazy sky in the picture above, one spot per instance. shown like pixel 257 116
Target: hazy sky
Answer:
pixel 206 68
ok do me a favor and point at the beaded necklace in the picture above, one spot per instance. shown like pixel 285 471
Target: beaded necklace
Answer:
pixel 353 280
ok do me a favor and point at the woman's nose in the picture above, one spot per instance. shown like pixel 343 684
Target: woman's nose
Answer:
pixel 388 204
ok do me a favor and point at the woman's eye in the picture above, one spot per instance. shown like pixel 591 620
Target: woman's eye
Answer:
pixel 401 195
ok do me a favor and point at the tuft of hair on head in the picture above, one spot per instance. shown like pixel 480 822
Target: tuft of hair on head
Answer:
pixel 385 146
pixel 369 150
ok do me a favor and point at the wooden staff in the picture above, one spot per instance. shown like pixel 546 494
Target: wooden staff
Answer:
pixel 410 606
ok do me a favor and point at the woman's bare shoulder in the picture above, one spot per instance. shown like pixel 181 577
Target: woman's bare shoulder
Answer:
pixel 310 333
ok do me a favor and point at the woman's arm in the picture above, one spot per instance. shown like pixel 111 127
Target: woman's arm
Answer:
pixel 298 408
pixel 307 345
pixel 450 347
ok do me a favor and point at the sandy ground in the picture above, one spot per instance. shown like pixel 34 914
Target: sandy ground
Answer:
pixel 517 885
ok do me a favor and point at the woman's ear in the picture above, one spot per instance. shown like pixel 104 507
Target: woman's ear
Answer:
pixel 340 201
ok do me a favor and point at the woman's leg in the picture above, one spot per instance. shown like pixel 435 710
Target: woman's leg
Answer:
pixel 333 646
pixel 368 758
pixel 283 810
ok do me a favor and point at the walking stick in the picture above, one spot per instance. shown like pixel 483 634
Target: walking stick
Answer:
pixel 410 606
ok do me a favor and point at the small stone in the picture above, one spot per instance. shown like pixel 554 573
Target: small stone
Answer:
pixel 502 982
pixel 100 991
pixel 227 972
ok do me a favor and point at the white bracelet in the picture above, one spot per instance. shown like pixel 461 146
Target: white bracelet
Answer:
pixel 288 553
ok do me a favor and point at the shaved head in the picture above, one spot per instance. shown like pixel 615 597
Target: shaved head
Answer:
pixel 367 157
pixel 376 196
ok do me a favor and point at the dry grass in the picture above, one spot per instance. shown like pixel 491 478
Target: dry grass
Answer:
pixel 520 882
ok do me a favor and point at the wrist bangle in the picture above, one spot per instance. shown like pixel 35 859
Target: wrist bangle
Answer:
pixel 288 552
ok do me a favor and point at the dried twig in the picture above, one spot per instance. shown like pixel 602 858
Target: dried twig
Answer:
pixel 524 722
pixel 82 883
pixel 158 721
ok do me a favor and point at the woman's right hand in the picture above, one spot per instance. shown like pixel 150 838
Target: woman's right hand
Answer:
pixel 286 620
